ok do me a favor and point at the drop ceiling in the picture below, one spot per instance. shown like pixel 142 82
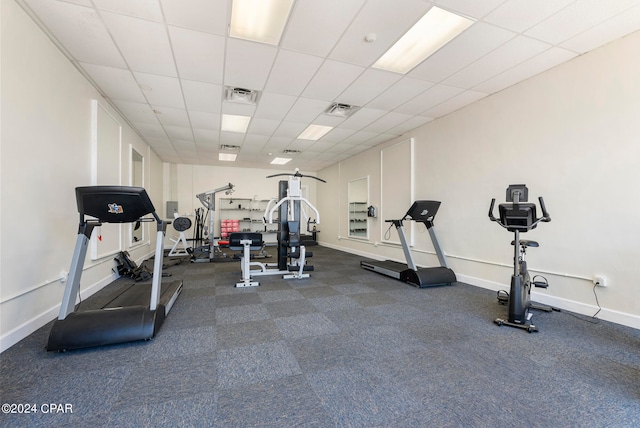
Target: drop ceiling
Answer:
pixel 166 65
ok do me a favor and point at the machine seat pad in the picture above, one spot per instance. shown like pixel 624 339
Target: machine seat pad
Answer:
pixel 526 243
pixel 236 237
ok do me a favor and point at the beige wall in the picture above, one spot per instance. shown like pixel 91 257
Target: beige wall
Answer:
pixel 572 135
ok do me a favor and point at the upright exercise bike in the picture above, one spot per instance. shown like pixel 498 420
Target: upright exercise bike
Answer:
pixel 519 216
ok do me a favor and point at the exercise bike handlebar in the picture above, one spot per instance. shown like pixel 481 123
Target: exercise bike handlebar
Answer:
pixel 545 214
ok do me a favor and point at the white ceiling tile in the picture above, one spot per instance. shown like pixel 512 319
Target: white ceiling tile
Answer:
pixel 146 9
pixel 292 72
pixel 204 120
pixel 362 118
pixel 150 130
pixel 276 144
pixel 161 90
pixel 172 116
pixel 199 56
pixel 388 122
pixel 429 98
pixel 322 145
pixel 359 138
pixel 263 127
pixel 332 78
pixel 80 30
pixel 520 15
pixel 289 129
pixel 306 110
pixel 274 106
pixel 527 69
pixel 368 86
pixel 384 18
pixel 115 83
pixel 200 96
pixel 254 141
pixel 206 136
pixel 454 103
pixel 477 41
pixel 136 112
pixel 472 8
pixel 399 93
pixel 413 123
pixel 576 18
pixel 337 134
pixel 205 149
pixel 179 133
pixel 182 56
pixel 144 44
pixel 232 138
pixel 248 63
pixel 614 28
pixel 515 51
pixel 202 15
pixel 326 120
pixel 314 26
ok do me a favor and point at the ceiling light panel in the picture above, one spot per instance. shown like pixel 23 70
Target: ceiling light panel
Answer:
pixel 259 20
pixel 314 132
pixel 434 30
pixel 228 157
pixel 280 161
pixel 234 123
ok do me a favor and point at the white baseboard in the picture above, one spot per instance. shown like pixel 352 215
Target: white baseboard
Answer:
pixel 25 329
pixel 605 314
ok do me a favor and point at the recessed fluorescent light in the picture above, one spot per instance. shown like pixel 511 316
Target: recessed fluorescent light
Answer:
pixel 314 132
pixel 280 161
pixel 235 123
pixel 259 20
pixel 231 157
pixel 434 30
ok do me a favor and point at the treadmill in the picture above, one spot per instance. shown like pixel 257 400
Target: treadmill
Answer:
pixel 423 212
pixel 139 311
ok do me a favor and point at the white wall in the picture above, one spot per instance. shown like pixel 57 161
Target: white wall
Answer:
pixel 46 152
pixel 572 134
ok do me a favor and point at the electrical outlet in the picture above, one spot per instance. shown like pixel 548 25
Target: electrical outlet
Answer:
pixel 600 281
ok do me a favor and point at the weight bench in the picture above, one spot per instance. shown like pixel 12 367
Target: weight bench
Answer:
pixel 246 242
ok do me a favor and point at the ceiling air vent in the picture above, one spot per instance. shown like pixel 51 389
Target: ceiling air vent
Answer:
pixel 290 152
pixel 229 147
pixel 241 95
pixel 341 110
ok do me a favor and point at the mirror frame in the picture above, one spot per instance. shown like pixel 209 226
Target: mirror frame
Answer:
pixel 357 203
pixel 136 178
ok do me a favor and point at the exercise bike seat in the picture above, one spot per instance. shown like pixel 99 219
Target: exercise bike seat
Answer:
pixel 526 243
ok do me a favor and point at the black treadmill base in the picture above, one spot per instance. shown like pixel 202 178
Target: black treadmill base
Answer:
pixel 104 327
pixel 422 278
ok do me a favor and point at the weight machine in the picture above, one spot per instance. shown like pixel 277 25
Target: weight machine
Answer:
pixel 292 253
pixel 208 200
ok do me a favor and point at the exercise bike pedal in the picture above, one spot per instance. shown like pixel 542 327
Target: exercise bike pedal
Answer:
pixel 503 297
pixel 541 284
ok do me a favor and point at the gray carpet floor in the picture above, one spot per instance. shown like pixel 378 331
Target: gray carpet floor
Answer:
pixel 344 348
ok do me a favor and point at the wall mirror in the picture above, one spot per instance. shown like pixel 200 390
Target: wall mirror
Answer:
pixel 137 179
pixel 358 197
